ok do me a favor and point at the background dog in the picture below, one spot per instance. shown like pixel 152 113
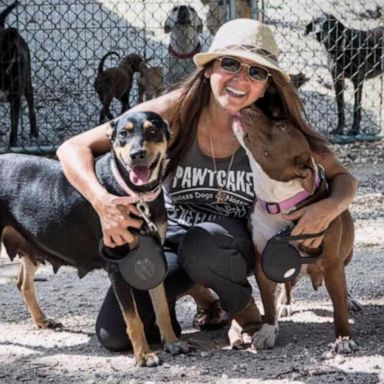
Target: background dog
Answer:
pixel 15 75
pixel 184 26
pixel 283 167
pixel 150 83
pixel 116 82
pixel 353 54
pixel 43 218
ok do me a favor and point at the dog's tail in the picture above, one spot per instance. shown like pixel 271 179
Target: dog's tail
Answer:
pixel 101 65
pixel 6 12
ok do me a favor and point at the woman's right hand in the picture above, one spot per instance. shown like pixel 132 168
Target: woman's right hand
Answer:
pixel 116 216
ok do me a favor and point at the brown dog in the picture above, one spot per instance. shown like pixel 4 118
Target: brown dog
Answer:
pixel 116 82
pixel 283 169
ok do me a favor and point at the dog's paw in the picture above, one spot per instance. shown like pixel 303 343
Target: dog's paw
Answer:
pixel 284 310
pixel 148 359
pixel 265 338
pixel 344 345
pixel 46 323
pixel 177 347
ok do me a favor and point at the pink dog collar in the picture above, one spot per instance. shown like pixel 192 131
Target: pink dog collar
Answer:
pixel 275 208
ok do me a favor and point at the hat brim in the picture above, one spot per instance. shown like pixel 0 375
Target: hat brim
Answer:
pixel 202 58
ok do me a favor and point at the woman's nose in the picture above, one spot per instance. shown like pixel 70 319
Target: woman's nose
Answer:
pixel 243 73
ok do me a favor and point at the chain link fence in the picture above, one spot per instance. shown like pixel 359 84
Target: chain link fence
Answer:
pixel 67 39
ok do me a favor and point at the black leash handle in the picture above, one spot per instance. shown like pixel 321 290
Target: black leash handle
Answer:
pixel 284 237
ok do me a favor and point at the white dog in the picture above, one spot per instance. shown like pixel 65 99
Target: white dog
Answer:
pixel 184 25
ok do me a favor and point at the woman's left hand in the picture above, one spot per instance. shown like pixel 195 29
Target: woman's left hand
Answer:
pixel 313 218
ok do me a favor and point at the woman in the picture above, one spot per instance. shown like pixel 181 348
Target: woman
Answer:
pixel 209 184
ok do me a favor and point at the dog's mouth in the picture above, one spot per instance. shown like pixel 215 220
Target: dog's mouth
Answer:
pixel 141 174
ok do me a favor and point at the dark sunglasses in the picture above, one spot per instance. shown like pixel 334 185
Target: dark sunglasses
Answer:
pixel 233 65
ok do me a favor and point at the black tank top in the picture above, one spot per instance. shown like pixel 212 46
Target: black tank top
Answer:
pixel 191 192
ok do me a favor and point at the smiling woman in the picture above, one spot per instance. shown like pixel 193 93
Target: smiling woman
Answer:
pixel 209 184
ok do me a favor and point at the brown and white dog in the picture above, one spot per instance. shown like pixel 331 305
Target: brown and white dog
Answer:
pixel 283 169
pixel 184 26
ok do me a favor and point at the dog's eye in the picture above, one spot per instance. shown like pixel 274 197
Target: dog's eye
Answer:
pixel 152 131
pixel 123 134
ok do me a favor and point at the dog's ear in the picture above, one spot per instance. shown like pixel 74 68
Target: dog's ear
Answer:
pixel 305 169
pixel 167 27
pixel 111 130
pixel 199 27
pixel 309 28
pixel 168 132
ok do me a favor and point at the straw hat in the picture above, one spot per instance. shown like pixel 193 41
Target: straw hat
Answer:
pixel 245 39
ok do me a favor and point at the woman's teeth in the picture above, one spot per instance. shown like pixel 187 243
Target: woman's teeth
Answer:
pixel 235 92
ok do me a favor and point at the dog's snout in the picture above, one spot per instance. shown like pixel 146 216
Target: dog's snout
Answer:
pixel 137 153
pixel 183 14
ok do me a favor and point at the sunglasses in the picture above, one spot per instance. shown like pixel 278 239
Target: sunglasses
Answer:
pixel 233 65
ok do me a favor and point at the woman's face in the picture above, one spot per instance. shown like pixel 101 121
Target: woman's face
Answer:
pixel 234 91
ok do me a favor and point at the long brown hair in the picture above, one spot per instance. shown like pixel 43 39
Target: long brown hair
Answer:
pixel 280 101
pixel 195 95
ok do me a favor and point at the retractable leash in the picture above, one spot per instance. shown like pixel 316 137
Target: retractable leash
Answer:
pixel 280 260
pixel 144 267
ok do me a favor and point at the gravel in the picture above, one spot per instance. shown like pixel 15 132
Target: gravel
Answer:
pixel 301 355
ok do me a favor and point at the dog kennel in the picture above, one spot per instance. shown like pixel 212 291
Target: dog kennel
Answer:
pixel 67 39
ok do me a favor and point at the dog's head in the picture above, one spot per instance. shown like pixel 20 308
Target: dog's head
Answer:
pixel 328 31
pixel 277 146
pixel 183 17
pixel 139 143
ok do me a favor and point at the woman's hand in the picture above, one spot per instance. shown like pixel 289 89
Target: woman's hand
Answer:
pixel 116 216
pixel 313 218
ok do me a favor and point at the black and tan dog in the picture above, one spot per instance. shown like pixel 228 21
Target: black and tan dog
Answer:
pixel 117 82
pixel 43 218
pixel 15 75
pixel 287 178
pixel 354 54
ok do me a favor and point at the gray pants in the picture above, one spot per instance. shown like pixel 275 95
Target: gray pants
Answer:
pixel 218 255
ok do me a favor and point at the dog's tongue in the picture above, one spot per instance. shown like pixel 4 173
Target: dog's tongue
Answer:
pixel 139 175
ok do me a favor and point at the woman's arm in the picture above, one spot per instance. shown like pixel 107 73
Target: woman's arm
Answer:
pixel 317 217
pixel 77 157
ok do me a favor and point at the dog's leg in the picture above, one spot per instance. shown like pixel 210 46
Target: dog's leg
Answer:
pixel 105 113
pixel 283 299
pixel 266 336
pixel 15 116
pixel 34 131
pixel 171 343
pixel 125 102
pixel 26 285
pixel 135 329
pixel 334 278
pixel 339 93
pixel 358 85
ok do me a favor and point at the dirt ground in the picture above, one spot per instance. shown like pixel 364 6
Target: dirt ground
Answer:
pixel 73 355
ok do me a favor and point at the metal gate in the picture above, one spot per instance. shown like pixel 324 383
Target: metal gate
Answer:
pixel 67 39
